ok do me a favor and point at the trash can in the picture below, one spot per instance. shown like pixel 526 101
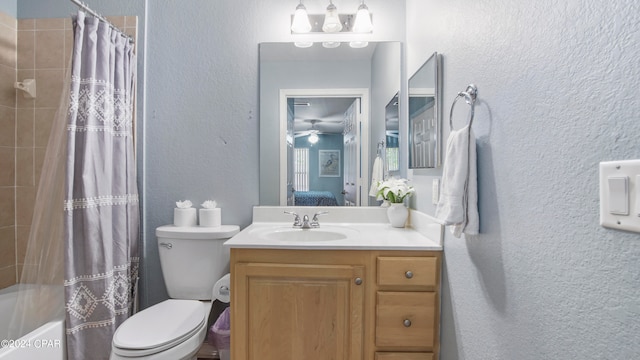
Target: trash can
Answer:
pixel 220 334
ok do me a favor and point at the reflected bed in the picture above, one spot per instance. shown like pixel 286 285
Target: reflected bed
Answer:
pixel 315 198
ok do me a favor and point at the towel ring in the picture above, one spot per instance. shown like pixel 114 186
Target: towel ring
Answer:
pixel 470 94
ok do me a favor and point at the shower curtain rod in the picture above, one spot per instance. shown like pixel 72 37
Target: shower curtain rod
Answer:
pixel 86 8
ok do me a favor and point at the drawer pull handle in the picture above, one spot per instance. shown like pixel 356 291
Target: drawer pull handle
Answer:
pixel 358 281
pixel 408 274
pixel 406 323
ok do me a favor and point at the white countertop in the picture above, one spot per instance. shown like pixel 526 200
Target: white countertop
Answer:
pixel 368 227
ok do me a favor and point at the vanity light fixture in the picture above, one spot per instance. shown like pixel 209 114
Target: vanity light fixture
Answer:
pixel 300 23
pixel 363 23
pixel 332 22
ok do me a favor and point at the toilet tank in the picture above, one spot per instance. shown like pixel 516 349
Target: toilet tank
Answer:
pixel 193 259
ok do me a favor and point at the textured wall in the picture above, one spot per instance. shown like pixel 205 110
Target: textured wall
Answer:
pixel 557 87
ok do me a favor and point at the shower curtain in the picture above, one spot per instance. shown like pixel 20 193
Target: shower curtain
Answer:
pixel 101 198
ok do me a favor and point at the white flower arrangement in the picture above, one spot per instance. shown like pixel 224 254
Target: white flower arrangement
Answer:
pixel 394 190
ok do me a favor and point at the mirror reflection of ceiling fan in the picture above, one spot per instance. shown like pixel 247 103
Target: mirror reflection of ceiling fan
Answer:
pixel 315 130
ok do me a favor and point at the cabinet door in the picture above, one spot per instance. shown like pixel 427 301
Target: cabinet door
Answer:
pixel 292 312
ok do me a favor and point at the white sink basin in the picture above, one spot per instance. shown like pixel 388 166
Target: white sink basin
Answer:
pixel 290 234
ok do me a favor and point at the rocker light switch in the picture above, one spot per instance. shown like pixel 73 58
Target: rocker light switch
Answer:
pixel 618 195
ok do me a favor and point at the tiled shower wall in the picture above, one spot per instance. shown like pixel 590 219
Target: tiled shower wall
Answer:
pixel 38 49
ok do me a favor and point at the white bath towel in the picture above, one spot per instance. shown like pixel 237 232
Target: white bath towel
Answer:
pixel 377 175
pixel 458 204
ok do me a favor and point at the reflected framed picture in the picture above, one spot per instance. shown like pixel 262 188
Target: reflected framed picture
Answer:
pixel 329 161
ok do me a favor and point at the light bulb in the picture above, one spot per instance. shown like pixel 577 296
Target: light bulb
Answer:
pixel 331 20
pixel 313 138
pixel 362 24
pixel 301 22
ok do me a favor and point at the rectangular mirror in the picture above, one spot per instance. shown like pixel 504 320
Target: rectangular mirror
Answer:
pixel 425 119
pixel 320 102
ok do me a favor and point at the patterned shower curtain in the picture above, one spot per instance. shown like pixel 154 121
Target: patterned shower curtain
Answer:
pixel 101 196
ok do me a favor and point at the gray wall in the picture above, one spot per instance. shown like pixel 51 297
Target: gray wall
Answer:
pixel 9 7
pixel 557 84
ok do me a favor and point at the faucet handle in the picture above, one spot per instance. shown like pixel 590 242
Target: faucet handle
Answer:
pixel 296 218
pixel 315 216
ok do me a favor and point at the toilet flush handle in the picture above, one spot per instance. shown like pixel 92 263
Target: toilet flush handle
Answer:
pixel 167 245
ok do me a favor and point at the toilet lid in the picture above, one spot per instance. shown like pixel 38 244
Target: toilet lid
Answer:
pixel 160 326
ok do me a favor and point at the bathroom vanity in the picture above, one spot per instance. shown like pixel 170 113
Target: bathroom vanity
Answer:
pixel 371 294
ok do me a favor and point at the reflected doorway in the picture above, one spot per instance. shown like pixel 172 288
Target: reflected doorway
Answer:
pixel 324 148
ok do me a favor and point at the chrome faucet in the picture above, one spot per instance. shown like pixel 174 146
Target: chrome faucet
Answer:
pixel 305 223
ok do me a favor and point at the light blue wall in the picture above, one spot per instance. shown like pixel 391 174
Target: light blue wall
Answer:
pixel 555 82
pixel 9 7
pixel 317 183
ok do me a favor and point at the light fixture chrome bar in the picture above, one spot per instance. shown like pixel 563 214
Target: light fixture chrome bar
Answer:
pixel 86 8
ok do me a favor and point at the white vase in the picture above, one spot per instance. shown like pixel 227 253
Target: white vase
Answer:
pixel 397 214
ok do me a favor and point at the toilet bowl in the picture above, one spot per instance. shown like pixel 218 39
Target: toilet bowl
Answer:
pixel 175 328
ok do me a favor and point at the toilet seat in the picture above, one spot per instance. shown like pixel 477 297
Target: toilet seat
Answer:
pixel 160 327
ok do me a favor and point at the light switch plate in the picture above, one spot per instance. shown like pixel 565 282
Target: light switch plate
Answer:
pixel 619 195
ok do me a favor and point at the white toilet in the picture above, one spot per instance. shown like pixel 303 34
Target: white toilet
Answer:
pixel 192 260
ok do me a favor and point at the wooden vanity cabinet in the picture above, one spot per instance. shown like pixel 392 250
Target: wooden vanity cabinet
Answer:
pixel 334 304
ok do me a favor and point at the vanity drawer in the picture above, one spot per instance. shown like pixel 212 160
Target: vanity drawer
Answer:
pixel 403 356
pixel 406 319
pixel 408 271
